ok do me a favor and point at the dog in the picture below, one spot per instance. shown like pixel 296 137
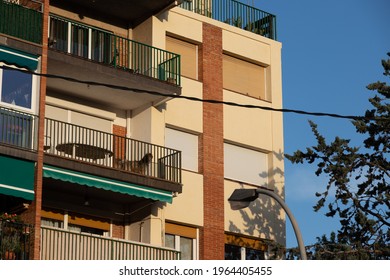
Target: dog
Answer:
pixel 139 166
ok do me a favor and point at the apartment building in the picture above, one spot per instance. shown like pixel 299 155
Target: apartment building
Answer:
pixel 119 133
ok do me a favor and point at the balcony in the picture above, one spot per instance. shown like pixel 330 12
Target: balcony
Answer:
pixel 84 145
pixel 21 19
pixel 236 14
pixel 15 240
pixel 130 69
pixel 59 244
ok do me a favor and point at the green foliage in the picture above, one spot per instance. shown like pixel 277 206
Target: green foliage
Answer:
pixel 358 190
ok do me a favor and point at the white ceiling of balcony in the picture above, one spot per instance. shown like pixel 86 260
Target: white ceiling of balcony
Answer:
pixel 64 65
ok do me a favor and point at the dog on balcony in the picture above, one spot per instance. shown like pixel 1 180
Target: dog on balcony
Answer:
pixel 139 166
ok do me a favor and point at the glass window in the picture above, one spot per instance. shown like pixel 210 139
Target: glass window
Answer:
pixel 80 41
pixel 183 244
pixel 58 34
pixel 235 252
pixel 253 254
pixel 170 241
pixel 232 252
pixel 186 248
pixel 16 88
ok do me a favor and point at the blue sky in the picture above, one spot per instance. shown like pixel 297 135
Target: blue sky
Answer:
pixel 331 51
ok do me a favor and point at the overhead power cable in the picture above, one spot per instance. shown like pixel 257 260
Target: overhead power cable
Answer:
pixel 266 108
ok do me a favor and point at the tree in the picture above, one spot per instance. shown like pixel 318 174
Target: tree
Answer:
pixel 358 189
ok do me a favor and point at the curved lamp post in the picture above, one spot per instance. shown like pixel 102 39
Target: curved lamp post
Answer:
pixel 241 198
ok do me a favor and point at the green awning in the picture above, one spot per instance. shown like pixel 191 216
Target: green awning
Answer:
pixel 18 58
pixel 17 177
pixel 105 183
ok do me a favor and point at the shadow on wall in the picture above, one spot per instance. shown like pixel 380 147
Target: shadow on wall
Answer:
pixel 264 217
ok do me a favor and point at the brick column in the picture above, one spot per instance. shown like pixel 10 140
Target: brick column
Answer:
pixel 36 207
pixel 212 241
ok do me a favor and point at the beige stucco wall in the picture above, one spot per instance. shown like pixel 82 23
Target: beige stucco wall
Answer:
pixel 255 128
pixel 187 207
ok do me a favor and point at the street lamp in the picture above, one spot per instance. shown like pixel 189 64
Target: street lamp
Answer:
pixel 241 198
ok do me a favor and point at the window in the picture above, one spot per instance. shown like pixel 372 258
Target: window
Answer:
pixel 244 77
pixel 75 222
pixel 181 238
pixel 185 142
pixel 238 247
pixel 16 88
pixel 234 252
pixel 80 40
pixel 18 94
pixel 188 53
pixel 245 165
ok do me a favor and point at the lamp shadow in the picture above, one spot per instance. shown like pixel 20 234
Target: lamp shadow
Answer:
pixel 264 217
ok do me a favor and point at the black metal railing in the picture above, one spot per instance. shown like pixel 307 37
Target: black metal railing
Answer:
pixel 18 129
pixel 15 241
pixel 105 47
pixel 109 150
pixel 235 13
pixel 22 19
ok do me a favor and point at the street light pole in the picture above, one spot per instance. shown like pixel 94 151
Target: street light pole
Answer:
pixel 294 223
pixel 243 197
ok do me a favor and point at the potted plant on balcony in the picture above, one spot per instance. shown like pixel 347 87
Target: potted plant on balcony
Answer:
pixel 10 235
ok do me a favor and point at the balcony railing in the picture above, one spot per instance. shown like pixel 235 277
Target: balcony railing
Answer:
pixel 59 244
pixel 15 241
pixel 18 129
pixel 235 13
pixel 105 47
pixel 109 150
pixel 21 19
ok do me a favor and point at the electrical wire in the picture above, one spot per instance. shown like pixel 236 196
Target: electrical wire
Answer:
pixel 282 110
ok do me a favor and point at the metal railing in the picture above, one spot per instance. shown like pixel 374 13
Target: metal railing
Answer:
pixel 235 13
pixel 105 47
pixel 21 19
pixel 60 244
pixel 109 150
pixel 18 129
pixel 15 241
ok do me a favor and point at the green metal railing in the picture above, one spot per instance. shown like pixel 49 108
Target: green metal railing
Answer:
pixel 21 22
pixel 59 244
pixel 235 13
pixel 105 47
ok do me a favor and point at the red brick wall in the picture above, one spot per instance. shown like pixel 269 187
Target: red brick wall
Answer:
pixel 34 211
pixel 211 153
pixel 119 142
pixel 118 231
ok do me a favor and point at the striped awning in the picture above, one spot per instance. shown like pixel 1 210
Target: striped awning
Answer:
pixel 106 183
pixel 17 177
pixel 18 58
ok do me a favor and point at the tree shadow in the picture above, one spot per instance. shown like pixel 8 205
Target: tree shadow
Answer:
pixel 264 217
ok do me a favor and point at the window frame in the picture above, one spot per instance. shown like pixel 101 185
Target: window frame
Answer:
pixel 34 91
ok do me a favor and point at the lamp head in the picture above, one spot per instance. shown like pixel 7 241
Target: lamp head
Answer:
pixel 241 198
